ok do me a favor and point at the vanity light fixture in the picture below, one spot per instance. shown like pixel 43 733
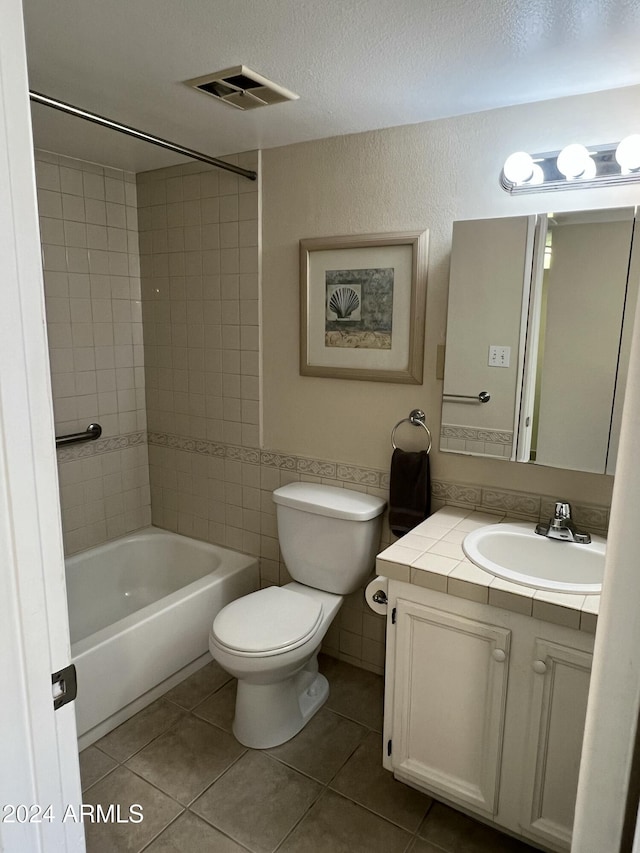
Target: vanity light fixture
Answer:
pixel 575 166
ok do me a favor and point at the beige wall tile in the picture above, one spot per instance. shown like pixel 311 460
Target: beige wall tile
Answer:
pixel 90 316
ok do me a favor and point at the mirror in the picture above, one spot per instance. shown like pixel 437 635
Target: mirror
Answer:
pixel 540 317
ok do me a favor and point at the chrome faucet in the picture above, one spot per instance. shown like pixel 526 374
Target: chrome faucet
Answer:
pixel 562 527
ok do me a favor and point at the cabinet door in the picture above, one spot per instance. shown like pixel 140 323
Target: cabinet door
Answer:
pixel 560 686
pixel 449 701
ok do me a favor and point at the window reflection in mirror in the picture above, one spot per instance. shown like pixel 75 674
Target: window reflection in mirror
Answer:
pixel 572 304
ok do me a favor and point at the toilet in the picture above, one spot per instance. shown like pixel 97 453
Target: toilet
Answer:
pixel 269 640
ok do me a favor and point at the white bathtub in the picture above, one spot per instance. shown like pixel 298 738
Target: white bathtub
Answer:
pixel 140 610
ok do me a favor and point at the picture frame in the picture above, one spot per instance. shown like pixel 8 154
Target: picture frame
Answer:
pixel 362 306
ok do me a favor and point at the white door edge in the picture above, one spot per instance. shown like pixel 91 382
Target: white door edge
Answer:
pixel 38 746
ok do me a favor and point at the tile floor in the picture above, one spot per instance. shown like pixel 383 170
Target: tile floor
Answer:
pixel 325 791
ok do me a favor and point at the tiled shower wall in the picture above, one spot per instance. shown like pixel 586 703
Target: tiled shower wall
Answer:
pixel 199 255
pixel 88 227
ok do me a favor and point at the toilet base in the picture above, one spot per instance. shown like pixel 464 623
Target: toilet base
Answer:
pixel 270 714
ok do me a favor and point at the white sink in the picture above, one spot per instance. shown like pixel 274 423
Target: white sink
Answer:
pixel 518 554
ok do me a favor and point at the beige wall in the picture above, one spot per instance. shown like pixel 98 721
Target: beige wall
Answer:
pixel 89 233
pixel 413 177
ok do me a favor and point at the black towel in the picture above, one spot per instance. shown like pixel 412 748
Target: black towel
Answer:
pixel 409 490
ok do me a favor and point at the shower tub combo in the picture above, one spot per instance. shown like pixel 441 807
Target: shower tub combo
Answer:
pixel 140 611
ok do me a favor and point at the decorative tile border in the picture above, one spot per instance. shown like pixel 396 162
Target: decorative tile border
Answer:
pixel 277 460
pixel 484 442
pixel 191 445
pixel 324 468
pixel 243 454
pixel 511 502
pixel 456 493
pixel 467 433
pixel 520 504
pixel 362 476
pixel 316 468
pixel 102 445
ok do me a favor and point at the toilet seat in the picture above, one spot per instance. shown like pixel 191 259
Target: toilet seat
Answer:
pixel 268 622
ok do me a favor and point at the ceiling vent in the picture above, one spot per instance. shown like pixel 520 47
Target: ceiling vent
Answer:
pixel 242 88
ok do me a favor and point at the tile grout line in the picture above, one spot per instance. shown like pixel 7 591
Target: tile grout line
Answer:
pixel 158 834
pixel 300 819
pixel 327 787
pixel 185 808
pixel 122 763
pixel 164 793
pixel 217 828
pixel 217 779
pixel 323 788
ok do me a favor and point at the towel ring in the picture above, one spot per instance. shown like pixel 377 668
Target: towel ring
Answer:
pixel 416 417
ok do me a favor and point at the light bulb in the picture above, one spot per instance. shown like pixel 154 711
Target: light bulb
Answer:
pixel 628 153
pixel 537 175
pixel 589 170
pixel 518 168
pixel 573 160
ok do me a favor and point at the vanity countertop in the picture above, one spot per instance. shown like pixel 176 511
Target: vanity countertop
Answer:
pixel 431 556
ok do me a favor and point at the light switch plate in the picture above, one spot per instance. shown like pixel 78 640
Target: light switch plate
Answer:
pixel 499 356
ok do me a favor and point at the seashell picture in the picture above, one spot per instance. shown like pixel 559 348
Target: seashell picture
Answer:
pixel 343 302
pixel 359 308
pixel 362 306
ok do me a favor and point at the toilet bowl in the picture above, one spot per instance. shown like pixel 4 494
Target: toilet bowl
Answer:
pixel 269 640
pixel 279 686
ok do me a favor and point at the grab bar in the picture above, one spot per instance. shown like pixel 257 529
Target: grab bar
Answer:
pixel 92 432
pixel 482 397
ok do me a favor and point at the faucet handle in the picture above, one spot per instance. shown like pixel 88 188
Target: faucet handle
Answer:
pixel 562 510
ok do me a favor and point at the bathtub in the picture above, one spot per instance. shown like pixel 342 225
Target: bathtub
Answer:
pixel 140 611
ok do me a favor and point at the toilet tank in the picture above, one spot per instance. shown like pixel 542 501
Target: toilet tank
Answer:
pixel 328 536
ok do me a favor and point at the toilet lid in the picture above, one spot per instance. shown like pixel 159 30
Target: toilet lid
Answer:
pixel 274 619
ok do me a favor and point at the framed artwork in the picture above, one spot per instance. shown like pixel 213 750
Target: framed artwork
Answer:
pixel 362 306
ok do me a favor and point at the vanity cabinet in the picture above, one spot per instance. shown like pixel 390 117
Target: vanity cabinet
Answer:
pixel 485 709
pixel 450 681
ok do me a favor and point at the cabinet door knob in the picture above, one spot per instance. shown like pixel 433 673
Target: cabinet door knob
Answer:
pixel 539 666
pixel 499 655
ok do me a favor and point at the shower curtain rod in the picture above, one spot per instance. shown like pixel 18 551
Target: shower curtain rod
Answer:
pixel 139 134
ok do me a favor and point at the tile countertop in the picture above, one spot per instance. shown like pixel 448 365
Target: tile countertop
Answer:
pixel 431 556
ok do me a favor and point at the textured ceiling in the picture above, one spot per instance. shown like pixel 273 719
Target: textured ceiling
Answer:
pixel 356 64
